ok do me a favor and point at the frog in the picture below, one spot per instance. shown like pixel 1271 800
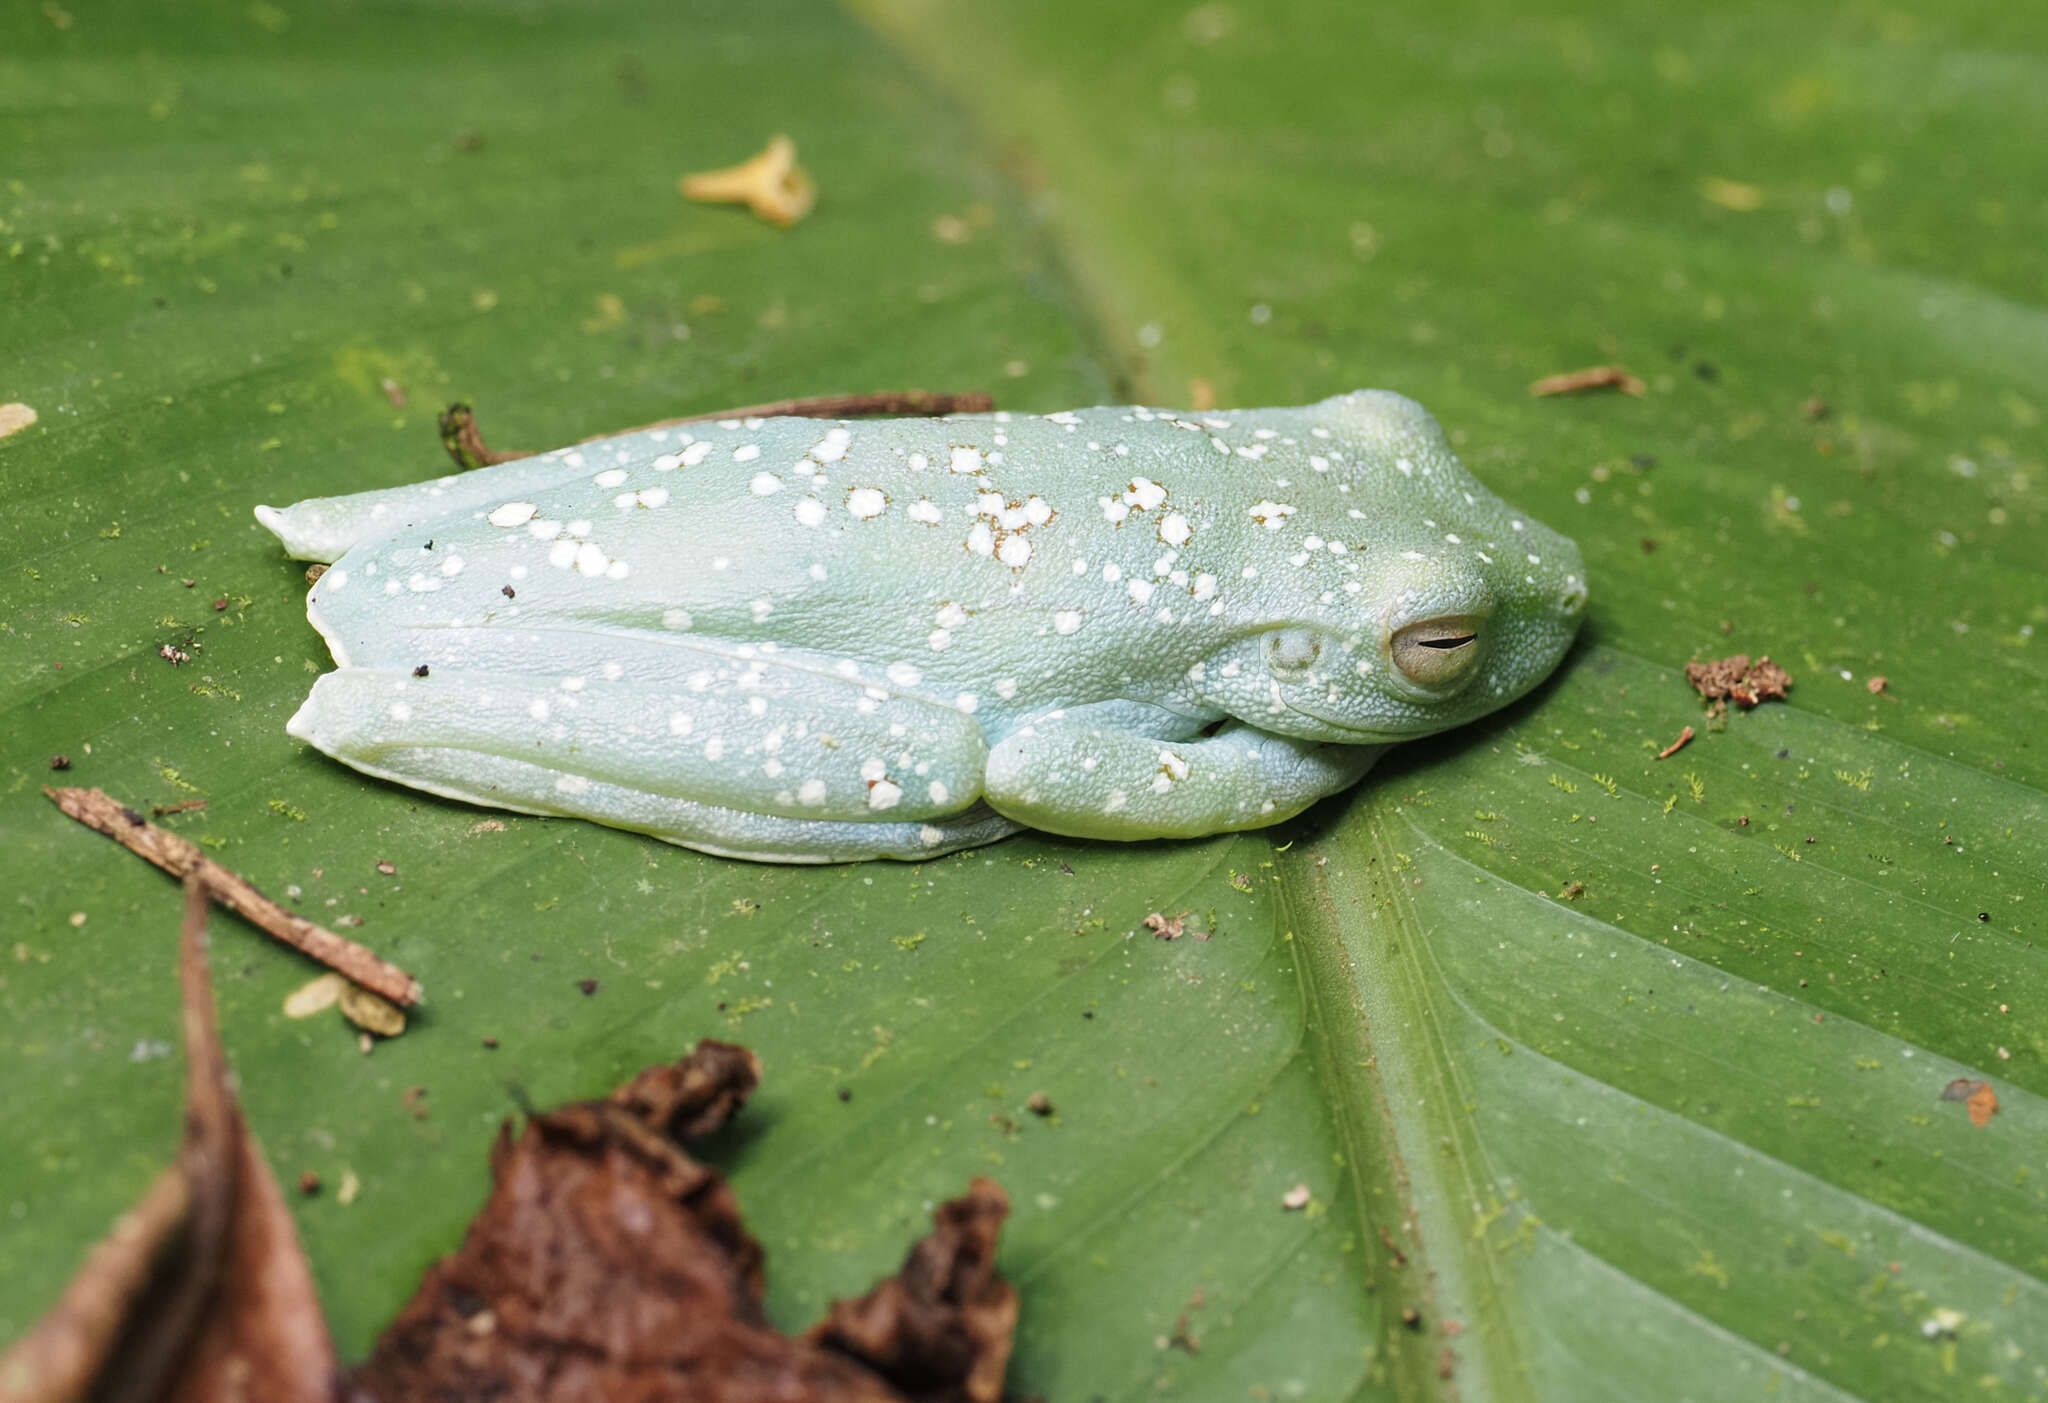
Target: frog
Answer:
pixel 801 641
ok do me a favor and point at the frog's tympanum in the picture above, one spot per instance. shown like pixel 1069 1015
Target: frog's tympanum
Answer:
pixel 803 641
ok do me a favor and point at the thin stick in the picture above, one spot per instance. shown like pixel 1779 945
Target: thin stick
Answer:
pixel 465 442
pixel 180 858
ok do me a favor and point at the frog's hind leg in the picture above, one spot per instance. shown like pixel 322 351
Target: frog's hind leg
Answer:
pixel 749 758
pixel 498 782
pixel 325 528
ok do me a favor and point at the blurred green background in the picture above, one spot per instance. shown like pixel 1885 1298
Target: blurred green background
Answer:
pixel 1680 1135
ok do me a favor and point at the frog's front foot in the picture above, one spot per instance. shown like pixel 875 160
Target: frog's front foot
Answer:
pixel 1065 774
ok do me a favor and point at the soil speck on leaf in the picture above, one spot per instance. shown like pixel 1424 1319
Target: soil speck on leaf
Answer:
pixel 1167 927
pixel 1977 1096
pixel 1736 678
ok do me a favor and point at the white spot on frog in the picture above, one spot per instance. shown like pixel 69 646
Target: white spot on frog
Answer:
pixel 924 510
pixel 903 674
pixel 884 794
pixel 866 503
pixel 1144 494
pixel 1066 621
pixel 746 453
pixel 811 793
pixel 965 460
pixel 1175 530
pixel 610 477
pixel 765 484
pixel 811 512
pixel 1014 552
pixel 512 514
pixel 1271 515
pixel 572 784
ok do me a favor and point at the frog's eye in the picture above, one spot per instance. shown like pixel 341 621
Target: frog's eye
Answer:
pixel 1437 652
pixel 1291 652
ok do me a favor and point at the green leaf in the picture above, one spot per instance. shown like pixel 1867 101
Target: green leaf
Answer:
pixel 1624 1075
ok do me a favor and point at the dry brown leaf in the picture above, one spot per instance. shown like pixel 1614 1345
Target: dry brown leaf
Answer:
pixel 201 1292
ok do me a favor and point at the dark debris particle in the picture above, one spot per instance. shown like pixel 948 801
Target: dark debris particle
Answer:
pixel 309 1183
pixel 1411 1317
pixel 491 1044
pixel 389 869
pixel 846 1093
pixel 1039 1104
pixel 60 762
pixel 1643 461
pixel 1706 370
pixel 420 671
pixel 1983 915
pixel 219 605
pixel 588 986
pixel 508 591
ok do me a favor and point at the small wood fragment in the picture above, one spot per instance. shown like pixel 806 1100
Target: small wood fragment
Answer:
pixel 1596 377
pixel 464 441
pixel 181 858
pixel 1684 739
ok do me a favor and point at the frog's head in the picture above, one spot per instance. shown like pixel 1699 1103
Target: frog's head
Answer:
pixel 1443 607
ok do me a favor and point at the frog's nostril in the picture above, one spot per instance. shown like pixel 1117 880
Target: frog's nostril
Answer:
pixel 1574 597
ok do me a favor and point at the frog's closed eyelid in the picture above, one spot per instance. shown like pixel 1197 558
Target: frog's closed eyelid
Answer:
pixel 1438 653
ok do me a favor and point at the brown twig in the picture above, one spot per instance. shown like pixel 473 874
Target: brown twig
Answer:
pixel 1598 377
pixel 465 442
pixel 180 858
pixel 1684 739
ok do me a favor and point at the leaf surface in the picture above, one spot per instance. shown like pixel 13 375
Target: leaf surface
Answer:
pixel 1623 1075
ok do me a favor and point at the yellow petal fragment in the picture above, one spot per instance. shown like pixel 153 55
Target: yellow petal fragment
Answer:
pixel 14 418
pixel 770 184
